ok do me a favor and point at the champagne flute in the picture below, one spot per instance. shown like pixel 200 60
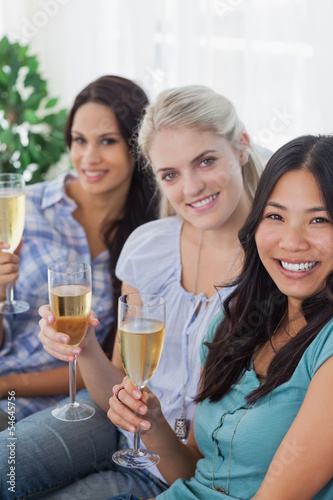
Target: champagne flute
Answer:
pixel 12 214
pixel 141 322
pixel 70 299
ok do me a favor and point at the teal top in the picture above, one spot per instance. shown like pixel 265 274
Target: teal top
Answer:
pixel 259 432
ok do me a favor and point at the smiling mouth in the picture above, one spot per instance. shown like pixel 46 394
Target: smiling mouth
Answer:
pixel 204 202
pixel 93 173
pixel 299 267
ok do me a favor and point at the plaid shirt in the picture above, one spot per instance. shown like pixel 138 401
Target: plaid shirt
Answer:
pixel 51 235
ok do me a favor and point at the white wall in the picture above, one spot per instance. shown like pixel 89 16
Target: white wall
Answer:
pixel 270 57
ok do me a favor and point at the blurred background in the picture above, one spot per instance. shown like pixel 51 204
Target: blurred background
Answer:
pixel 272 58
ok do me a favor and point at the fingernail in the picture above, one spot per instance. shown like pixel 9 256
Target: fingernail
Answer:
pixel 64 340
pixel 142 410
pixel 131 428
pixel 50 318
pixel 76 350
pixel 136 394
pixel 144 425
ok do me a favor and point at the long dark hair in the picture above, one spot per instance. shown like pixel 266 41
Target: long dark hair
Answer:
pixel 255 308
pixel 127 101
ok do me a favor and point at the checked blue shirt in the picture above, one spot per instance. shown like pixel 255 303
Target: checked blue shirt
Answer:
pixel 51 235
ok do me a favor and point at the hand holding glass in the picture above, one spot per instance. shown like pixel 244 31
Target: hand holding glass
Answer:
pixel 12 214
pixel 141 322
pixel 70 299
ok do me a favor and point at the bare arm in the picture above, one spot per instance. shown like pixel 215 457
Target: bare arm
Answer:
pixel 98 373
pixel 303 463
pixel 176 459
pixel 43 383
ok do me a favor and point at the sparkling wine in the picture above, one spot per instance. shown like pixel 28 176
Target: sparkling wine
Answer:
pixel 71 305
pixel 141 343
pixel 12 214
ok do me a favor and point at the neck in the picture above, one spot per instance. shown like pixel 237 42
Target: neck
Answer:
pixel 295 318
pixel 221 238
pixel 99 206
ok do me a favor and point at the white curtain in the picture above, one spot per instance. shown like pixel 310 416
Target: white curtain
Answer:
pixel 272 58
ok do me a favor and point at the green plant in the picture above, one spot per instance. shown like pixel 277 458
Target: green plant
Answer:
pixel 31 131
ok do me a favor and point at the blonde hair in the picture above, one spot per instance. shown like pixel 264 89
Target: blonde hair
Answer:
pixel 199 107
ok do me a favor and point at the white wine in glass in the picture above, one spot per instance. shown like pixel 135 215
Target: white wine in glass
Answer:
pixel 12 215
pixel 70 299
pixel 141 322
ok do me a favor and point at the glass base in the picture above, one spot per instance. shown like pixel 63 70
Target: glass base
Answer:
pixel 14 307
pixel 135 459
pixel 73 412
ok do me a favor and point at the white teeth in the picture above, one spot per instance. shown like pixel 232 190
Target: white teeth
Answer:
pixel 303 266
pixel 204 202
pixel 95 173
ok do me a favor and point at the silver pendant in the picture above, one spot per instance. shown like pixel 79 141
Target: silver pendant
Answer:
pixel 182 428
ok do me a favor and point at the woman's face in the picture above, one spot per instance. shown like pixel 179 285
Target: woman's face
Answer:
pixel 98 151
pixel 201 175
pixel 295 237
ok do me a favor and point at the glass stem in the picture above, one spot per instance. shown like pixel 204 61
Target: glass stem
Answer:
pixel 10 293
pixel 72 381
pixel 137 438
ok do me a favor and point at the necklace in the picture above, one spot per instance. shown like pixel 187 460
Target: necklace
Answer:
pixel 216 487
pixel 182 424
pixel 197 266
pixel 224 277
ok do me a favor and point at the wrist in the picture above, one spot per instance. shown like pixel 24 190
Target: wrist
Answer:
pixel 3 387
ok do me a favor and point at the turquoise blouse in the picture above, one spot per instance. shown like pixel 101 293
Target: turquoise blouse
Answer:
pixel 259 432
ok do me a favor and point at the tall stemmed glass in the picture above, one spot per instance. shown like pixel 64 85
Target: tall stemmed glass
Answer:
pixel 70 299
pixel 141 322
pixel 12 214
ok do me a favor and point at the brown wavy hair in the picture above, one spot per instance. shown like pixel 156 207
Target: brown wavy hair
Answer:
pixel 127 101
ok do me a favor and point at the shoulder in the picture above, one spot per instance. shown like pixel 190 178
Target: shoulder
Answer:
pixel 153 236
pixel 47 193
pixel 34 192
pixel 213 325
pixel 152 248
pixel 320 349
pixel 164 228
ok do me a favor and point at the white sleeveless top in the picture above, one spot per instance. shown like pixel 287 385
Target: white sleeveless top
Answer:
pixel 150 262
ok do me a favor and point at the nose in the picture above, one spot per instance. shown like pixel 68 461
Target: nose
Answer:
pixel 91 153
pixel 294 239
pixel 193 184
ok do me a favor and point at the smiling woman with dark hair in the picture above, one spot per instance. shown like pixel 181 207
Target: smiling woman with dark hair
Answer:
pixel 85 215
pixel 263 426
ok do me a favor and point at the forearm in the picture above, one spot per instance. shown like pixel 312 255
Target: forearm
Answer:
pixel 43 383
pixel 176 459
pixel 1 332
pixel 98 373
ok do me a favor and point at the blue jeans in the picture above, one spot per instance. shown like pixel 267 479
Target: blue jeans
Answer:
pixel 51 454
pixel 123 497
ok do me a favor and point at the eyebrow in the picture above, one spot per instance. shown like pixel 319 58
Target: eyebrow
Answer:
pixel 204 153
pixel 101 135
pixel 309 210
pixel 201 155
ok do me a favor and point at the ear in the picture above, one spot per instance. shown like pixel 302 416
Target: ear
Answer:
pixel 244 141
